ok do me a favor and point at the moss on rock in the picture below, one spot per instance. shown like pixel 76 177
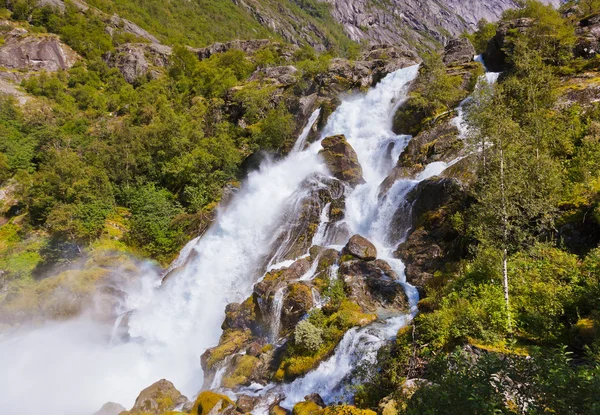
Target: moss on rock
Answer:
pixel 207 400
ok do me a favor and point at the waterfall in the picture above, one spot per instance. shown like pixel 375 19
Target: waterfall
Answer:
pixel 301 142
pixel 73 370
pixel 276 314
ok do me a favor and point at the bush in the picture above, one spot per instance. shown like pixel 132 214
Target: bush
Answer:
pixel 308 337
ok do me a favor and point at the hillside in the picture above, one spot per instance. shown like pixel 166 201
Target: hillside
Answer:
pixel 338 208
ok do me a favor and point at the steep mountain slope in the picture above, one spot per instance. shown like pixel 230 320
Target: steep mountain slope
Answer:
pixel 323 24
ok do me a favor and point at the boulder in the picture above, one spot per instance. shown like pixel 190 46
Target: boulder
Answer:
pixel 458 52
pixel 341 159
pixel 110 408
pixel 246 403
pixel 316 398
pixel 158 398
pixel 588 37
pixel 36 52
pixel 278 410
pixel 212 403
pixel 297 302
pixel 136 60
pixel 359 247
pixel 373 285
pixel 242 316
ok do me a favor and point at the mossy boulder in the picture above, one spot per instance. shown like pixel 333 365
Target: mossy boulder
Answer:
pixel 208 402
pixel 244 316
pixel 241 371
pixel 307 408
pixel 230 343
pixel 297 302
pixel 361 248
pixel 158 398
pixel 410 118
pixel 341 159
pixel 298 361
pixel 346 410
pixel 278 410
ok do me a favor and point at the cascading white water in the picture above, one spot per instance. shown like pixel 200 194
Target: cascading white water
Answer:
pixel 301 142
pixel 70 367
pixel 460 122
pixel 276 314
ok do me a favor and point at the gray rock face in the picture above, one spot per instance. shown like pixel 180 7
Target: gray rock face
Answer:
pixel 135 60
pixel 458 51
pixel 130 27
pixel 47 52
pixel 403 21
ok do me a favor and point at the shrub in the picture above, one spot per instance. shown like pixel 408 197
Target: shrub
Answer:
pixel 308 337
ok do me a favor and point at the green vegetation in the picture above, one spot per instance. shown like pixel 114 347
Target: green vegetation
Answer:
pixel 316 338
pixel 512 325
pixel 436 92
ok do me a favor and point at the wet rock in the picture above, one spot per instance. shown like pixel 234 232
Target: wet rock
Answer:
pixel 316 398
pixel 440 143
pixel 35 52
pixel 434 241
pixel 246 403
pixel 136 60
pixel 341 159
pixel 242 316
pixel 297 302
pixel 458 51
pixel 110 408
pixel 302 223
pixel 255 349
pixel 373 285
pixel 360 248
pixel 241 371
pixel 160 397
pixel 278 410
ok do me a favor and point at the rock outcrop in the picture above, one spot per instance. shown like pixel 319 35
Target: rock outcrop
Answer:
pixel 341 159
pixel 494 55
pixel 458 51
pixel 433 241
pixel 24 51
pixel 158 398
pixel 136 60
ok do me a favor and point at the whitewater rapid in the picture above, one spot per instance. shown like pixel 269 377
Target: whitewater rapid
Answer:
pixel 73 368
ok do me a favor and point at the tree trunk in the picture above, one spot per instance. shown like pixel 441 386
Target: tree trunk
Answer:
pixel 505 285
pixel 504 238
